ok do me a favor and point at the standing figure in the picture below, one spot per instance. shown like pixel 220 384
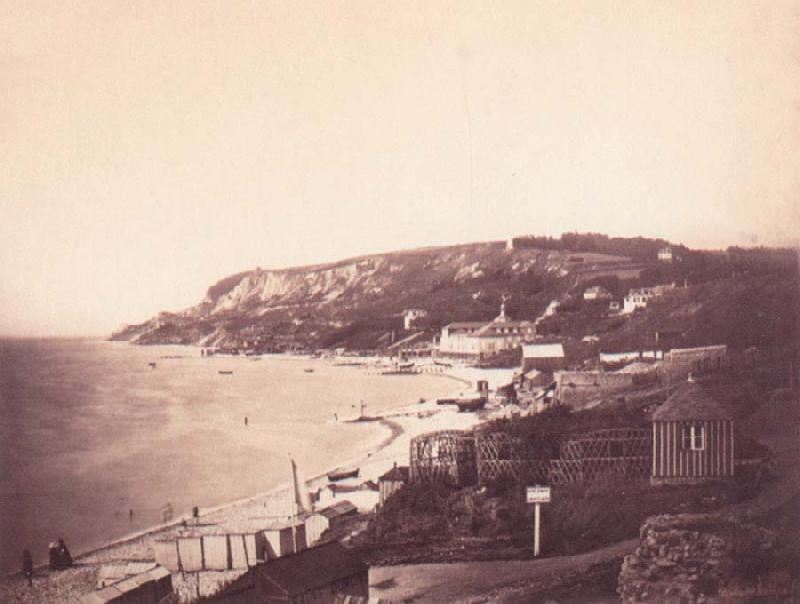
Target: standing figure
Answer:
pixel 63 553
pixel 27 566
pixel 245 421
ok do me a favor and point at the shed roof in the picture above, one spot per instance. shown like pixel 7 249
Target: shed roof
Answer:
pixel 341 508
pixel 396 473
pixel 690 401
pixel 313 568
pixel 543 351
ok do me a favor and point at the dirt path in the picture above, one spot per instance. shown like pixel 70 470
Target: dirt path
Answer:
pixel 481 581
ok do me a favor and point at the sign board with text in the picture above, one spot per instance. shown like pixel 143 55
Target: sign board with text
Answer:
pixel 537 495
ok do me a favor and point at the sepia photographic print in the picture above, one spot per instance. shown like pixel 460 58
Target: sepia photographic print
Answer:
pixel 366 301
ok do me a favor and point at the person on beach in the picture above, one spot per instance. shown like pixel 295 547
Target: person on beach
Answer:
pixel 27 567
pixel 65 557
pixel 245 421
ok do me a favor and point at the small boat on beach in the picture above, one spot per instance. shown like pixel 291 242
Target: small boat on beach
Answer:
pixel 152 365
pixel 343 474
pixel 225 372
pixel 470 405
pixel 308 370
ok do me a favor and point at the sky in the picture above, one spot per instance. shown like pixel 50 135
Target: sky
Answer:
pixel 148 149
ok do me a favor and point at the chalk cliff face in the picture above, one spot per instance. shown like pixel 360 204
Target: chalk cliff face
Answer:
pixel 359 302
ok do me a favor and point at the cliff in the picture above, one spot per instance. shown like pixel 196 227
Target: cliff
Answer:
pixel 740 298
pixel 359 302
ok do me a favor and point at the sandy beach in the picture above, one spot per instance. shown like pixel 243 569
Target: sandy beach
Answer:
pixel 397 426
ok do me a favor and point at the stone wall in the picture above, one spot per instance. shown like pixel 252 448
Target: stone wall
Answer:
pixel 703 558
pixel 577 388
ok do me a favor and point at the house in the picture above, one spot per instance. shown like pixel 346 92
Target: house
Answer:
pixel 637 298
pixel 692 438
pixel 596 292
pixel 391 482
pixel 318 574
pixel 411 315
pixel 543 356
pixel 330 518
pixel 665 254
pixel 480 340
pixel 614 306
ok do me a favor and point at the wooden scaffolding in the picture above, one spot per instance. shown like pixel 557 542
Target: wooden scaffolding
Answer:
pixel 624 453
pixel 446 456
pixel 503 456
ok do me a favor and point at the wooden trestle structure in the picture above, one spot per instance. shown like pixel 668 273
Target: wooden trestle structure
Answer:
pixel 446 456
pixel 619 452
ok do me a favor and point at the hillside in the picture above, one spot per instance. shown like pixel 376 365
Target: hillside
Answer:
pixel 358 303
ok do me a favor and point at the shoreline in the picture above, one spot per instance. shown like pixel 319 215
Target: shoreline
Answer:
pixel 391 420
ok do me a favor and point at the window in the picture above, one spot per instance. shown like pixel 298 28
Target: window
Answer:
pixel 693 437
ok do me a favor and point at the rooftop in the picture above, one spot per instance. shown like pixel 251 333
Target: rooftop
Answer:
pixel 690 401
pixel 543 350
pixel 396 473
pixel 341 508
pixel 313 568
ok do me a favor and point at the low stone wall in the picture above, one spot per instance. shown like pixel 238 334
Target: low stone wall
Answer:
pixel 703 558
pixel 574 388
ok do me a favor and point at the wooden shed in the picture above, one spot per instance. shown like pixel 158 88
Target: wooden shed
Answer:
pixel 692 438
pixel 331 518
pixel 391 482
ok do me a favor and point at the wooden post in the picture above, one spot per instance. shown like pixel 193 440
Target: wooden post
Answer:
pixel 536 529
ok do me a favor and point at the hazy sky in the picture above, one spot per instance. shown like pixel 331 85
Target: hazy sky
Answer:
pixel 148 149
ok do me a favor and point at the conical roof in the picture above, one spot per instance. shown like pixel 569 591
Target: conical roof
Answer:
pixel 688 402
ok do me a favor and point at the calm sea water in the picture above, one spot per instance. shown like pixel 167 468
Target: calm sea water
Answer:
pixel 88 431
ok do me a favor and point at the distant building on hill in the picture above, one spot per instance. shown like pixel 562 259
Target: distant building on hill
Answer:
pixel 596 292
pixel 692 438
pixel 480 340
pixel 639 297
pixel 543 356
pixel 411 315
pixel 665 254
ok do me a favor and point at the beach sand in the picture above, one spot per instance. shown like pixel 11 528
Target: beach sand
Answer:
pixel 400 426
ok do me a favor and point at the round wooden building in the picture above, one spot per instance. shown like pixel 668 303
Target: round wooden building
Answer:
pixel 692 438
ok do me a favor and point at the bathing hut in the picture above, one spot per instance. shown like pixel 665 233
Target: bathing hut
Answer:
pixel 332 518
pixel 391 482
pixel 692 438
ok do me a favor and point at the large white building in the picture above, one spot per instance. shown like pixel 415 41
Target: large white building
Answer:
pixel 638 298
pixel 478 339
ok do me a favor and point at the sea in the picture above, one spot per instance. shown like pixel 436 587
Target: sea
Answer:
pixel 95 443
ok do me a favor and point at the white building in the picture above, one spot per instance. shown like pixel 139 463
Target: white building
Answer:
pixel 477 339
pixel 638 298
pixel 596 292
pixel 411 315
pixel 665 254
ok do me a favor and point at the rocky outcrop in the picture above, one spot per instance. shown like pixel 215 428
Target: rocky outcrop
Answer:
pixel 703 558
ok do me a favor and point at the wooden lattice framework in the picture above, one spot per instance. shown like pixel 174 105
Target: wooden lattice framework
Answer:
pixel 624 453
pixel 446 456
pixel 503 456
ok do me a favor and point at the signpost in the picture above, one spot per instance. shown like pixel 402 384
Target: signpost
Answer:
pixel 537 496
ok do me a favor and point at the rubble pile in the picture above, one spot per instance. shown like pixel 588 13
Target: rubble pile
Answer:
pixel 702 558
